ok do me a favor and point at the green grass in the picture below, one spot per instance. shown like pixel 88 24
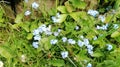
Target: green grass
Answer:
pixel 16 35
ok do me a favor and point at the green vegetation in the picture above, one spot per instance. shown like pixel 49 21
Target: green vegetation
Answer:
pixel 60 33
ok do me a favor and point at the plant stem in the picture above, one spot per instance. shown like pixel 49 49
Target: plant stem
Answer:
pixel 72 62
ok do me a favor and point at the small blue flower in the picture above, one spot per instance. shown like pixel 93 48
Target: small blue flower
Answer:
pixel 90 52
pixel 56 33
pixel 64 39
pixel 56 18
pixel 93 13
pixel 71 41
pixel 53 41
pixel 109 47
pixel 80 43
pixel 36 32
pixel 64 54
pixel 89 47
pixel 27 13
pixel 102 18
pixel 35 44
pixel 43 27
pixel 35 5
pixel 115 26
pixel 37 37
pixel 89 65
pixel 86 41
pixel 48 32
pixel 103 27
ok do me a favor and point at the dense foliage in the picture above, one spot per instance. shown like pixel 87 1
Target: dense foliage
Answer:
pixel 60 33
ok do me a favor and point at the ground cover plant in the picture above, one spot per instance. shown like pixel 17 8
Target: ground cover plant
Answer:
pixel 60 33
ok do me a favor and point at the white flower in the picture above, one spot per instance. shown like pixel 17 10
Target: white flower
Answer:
pixel 98 27
pixel 102 18
pixel 89 65
pixel 23 58
pixel 77 27
pixel 64 39
pixel 37 37
pixel 56 33
pixel 109 47
pixel 64 54
pixel 36 32
pixel 53 41
pixel 93 13
pixel 86 42
pixel 56 18
pixel 80 43
pixel 35 5
pixel 49 28
pixel 35 44
pixel 27 13
pixel 115 26
pixel 71 41
pixel 1 64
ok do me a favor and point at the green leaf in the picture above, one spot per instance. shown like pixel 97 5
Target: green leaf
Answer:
pixel 45 42
pixel 69 7
pixel 77 15
pixel 108 18
pixel 33 25
pixel 29 36
pixel 97 54
pixel 115 34
pixel 19 18
pixel 107 63
pixel 69 27
pixel 15 26
pixel 25 26
pixel 6 52
pixel 78 4
pixel 62 9
pixel 117 4
pixel 62 18
pixel 57 62
pixel 1 13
